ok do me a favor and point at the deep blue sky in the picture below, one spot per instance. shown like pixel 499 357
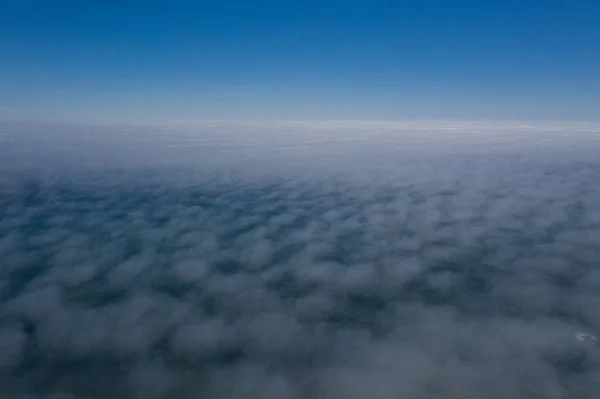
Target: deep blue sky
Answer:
pixel 109 59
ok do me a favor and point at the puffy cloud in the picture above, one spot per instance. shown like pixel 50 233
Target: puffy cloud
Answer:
pixel 464 276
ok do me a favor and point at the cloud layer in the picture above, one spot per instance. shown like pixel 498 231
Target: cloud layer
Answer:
pixel 447 276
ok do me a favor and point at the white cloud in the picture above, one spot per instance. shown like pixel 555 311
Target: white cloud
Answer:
pixel 480 280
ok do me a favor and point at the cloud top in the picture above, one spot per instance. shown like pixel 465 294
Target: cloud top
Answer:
pixel 448 277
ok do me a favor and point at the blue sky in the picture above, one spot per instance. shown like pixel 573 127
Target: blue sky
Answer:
pixel 169 60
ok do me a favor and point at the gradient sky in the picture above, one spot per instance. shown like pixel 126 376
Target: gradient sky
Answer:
pixel 151 60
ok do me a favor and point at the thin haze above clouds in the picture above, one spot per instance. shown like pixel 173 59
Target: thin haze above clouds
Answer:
pixel 300 261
